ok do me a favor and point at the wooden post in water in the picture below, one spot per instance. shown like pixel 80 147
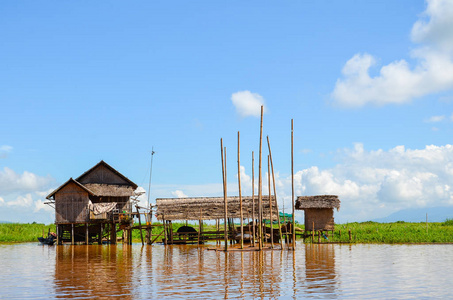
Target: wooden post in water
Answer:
pixel 240 195
pixel 313 233
pixel 275 194
pixel 270 199
pixel 140 225
pixel 58 234
pixel 164 223
pixel 260 196
pixel 292 184
pixel 253 203
pixel 224 193
pixel 86 234
pixel 72 234
pixel 150 227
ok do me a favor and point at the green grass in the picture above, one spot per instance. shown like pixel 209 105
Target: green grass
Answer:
pixel 392 233
pixel 19 232
pixel 365 232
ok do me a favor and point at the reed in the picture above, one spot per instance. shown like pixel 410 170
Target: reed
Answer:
pixel 20 232
pixel 365 232
pixel 393 233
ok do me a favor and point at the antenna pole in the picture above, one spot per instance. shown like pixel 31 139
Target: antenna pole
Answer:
pixel 150 174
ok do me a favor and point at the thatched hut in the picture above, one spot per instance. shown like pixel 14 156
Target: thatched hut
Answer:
pixel 93 199
pixel 211 208
pixel 318 211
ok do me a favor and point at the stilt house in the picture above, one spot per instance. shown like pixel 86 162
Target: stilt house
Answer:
pixel 318 211
pixel 92 203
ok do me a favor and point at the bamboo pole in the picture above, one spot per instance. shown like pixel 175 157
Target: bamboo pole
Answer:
pixel 253 202
pixel 199 227
pixel 260 196
pixel 72 234
pixel 224 194
pixel 270 198
pixel 275 194
pixel 164 223
pixel 292 184
pixel 140 224
pixel 240 194
pixel 86 234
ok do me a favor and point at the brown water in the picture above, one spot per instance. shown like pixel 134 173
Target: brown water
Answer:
pixel 32 271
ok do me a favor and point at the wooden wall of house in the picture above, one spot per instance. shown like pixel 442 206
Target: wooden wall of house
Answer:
pixel 322 218
pixel 71 205
pixel 101 174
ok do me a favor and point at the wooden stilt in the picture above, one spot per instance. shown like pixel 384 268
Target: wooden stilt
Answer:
pixel 112 233
pixel 199 228
pixel 150 227
pixel 86 234
pixel 270 199
pixel 100 235
pixel 224 192
pixel 292 185
pixel 165 229
pixel 260 233
pixel 140 225
pixel 240 195
pixel 275 194
pixel 58 235
pixel 253 203
pixel 72 234
pixel 170 225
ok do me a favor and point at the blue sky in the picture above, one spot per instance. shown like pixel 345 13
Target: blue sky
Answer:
pixel 369 86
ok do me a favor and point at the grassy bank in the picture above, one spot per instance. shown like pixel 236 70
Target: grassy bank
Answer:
pixel 365 232
pixel 398 232
pixel 19 232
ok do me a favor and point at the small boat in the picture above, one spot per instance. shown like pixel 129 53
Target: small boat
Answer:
pixel 49 240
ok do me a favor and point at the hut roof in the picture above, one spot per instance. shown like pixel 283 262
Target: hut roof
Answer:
pixel 321 201
pixel 110 190
pixel 101 189
pixel 211 208
pixel 66 183
pixel 103 163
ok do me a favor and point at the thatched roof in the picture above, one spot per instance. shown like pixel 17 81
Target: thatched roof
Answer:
pixel 109 167
pixel 51 195
pixel 110 190
pixel 101 189
pixel 321 201
pixel 211 208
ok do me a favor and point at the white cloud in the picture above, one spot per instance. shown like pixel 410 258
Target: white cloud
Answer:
pixel 435 119
pixel 23 201
pixel 245 179
pixel 23 194
pixel 372 184
pixel 179 194
pixel 39 205
pixel 5 150
pixel 397 82
pixel 12 182
pixel 247 103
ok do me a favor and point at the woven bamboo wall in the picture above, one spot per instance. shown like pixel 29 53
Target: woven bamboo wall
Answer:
pixel 101 174
pixel 71 205
pixel 322 218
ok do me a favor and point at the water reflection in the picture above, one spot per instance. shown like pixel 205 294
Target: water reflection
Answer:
pixel 320 277
pixel 93 271
pixel 171 272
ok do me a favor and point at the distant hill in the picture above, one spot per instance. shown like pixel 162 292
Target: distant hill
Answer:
pixel 435 214
pixel 5 222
